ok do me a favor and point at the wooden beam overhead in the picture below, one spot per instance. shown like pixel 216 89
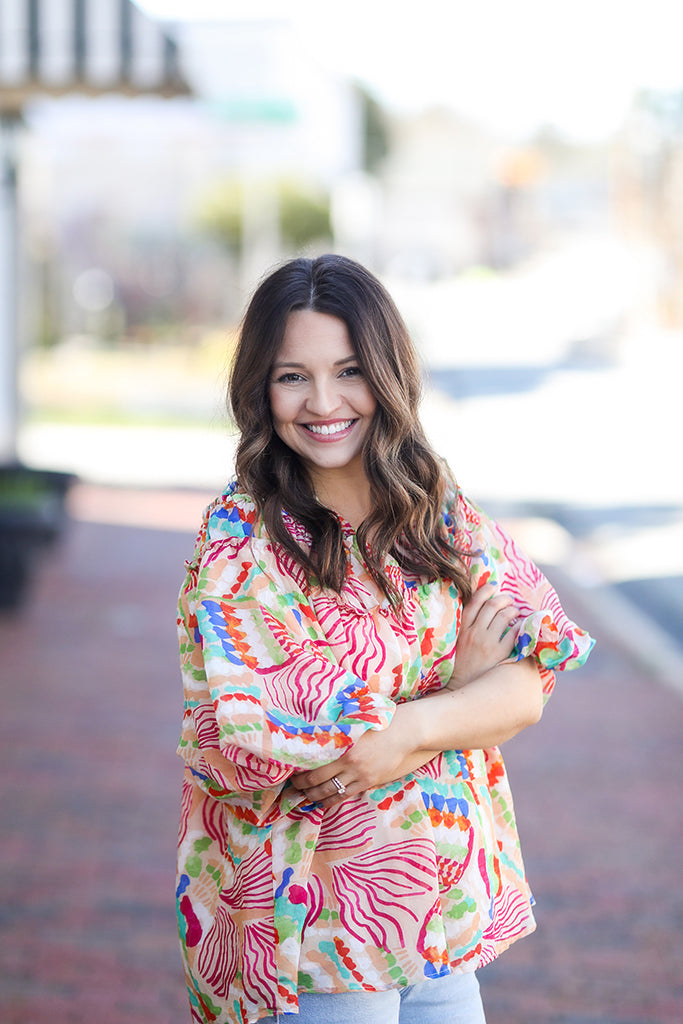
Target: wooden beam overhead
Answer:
pixel 89 47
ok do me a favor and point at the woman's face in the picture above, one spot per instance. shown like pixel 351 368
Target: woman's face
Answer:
pixel 321 404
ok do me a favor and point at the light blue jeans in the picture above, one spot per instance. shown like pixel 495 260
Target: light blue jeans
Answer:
pixel 454 999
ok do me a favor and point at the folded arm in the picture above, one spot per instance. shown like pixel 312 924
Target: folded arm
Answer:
pixel 483 713
pixel 486 702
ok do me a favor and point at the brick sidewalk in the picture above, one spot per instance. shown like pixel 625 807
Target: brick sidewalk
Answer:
pixel 91 712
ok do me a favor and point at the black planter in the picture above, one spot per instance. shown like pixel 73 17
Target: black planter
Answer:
pixel 32 516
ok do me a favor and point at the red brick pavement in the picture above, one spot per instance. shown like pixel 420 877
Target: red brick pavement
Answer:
pixel 90 717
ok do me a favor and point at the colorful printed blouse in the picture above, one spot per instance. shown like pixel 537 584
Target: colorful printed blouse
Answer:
pixel 410 881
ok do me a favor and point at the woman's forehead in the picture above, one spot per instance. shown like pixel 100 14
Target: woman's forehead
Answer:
pixel 311 337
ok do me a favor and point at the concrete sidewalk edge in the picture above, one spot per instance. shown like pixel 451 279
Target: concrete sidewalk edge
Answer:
pixel 641 640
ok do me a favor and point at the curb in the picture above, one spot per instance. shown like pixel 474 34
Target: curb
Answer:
pixel 640 639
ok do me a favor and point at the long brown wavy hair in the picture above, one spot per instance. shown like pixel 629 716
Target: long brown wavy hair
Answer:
pixel 408 483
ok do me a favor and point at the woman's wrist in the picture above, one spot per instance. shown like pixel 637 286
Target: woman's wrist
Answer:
pixel 408 726
pixel 458 679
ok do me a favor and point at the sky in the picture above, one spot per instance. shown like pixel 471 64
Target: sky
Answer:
pixel 512 65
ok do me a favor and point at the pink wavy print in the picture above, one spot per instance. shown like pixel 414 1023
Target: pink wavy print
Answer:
pixel 255 773
pixel 259 978
pixel 347 826
pixel 510 912
pixel 217 956
pixel 375 889
pixel 289 567
pixel 301 686
pixel 206 726
pixel 185 805
pixel 315 900
pixel 213 819
pixel 252 884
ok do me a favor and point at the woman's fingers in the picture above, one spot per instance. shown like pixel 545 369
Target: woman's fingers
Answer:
pixel 503 620
pixel 507 640
pixel 320 787
pixel 491 610
pixel 327 794
pixel 487 636
pixel 314 777
pixel 477 602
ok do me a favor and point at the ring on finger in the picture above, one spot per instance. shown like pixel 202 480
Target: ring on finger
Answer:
pixel 339 786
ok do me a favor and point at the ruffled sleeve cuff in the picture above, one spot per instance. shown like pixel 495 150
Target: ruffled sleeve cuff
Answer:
pixel 492 556
pixel 555 646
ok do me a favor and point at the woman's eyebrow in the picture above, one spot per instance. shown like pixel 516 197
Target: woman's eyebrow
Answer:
pixel 279 364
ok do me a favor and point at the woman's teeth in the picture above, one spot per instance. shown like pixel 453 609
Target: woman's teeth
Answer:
pixel 332 428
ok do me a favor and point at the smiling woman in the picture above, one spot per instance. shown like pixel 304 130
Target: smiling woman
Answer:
pixel 356 639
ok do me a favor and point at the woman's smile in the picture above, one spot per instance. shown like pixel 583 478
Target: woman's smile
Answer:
pixel 329 431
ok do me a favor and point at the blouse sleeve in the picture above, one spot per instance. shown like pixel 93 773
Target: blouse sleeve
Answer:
pixel 264 695
pixel 546 632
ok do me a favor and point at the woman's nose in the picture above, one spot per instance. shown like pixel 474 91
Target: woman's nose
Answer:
pixel 323 399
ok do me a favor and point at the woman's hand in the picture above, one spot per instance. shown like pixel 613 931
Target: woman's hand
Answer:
pixel 487 635
pixel 376 758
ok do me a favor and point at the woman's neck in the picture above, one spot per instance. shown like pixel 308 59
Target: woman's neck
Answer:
pixel 346 494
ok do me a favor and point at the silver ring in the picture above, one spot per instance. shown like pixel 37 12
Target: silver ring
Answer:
pixel 340 787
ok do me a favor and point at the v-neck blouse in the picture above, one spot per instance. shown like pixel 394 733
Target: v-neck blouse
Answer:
pixel 409 881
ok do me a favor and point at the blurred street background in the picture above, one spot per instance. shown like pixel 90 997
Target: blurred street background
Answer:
pixel 514 174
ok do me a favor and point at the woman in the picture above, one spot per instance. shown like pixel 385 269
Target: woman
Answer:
pixel 356 641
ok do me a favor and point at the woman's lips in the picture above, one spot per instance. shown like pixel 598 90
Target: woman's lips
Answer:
pixel 329 431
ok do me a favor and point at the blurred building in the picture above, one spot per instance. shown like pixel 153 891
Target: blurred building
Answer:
pixel 90 46
pixel 437 181
pixel 648 191
pixel 117 185
pixel 115 191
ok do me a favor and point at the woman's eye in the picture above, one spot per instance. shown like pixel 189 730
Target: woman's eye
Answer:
pixel 352 371
pixel 288 378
